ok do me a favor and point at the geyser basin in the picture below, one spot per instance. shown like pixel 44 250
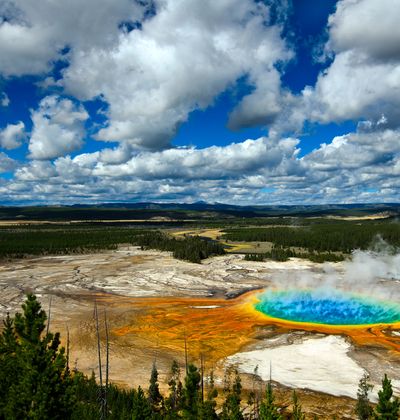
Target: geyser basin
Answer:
pixel 328 307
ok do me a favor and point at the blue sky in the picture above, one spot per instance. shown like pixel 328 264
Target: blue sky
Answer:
pixel 238 101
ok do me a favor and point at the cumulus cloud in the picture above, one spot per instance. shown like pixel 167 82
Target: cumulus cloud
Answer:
pixel 183 57
pixel 153 63
pixel 260 107
pixel 6 163
pixel 26 49
pixel 33 34
pixel 173 62
pixel 153 68
pixel 357 151
pixel 4 100
pixel 368 26
pixel 119 154
pixel 363 80
pixel 354 88
pixel 357 166
pixel 239 170
pixel 232 161
pixel 12 135
pixel 58 128
pixel 36 171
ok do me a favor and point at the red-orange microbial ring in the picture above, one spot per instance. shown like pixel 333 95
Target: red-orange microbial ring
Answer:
pixel 219 327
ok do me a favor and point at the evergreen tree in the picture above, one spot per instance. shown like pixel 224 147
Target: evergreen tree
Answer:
pixel 123 404
pixel 387 408
pixel 268 410
pixel 173 402
pixel 297 409
pixel 207 408
pixel 363 408
pixel 141 408
pixel 191 393
pixel 231 408
pixel 251 403
pixel 253 400
pixel 8 363
pixel 155 397
pixel 41 386
pixel 86 392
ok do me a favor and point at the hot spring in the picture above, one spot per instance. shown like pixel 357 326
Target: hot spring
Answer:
pixel 329 307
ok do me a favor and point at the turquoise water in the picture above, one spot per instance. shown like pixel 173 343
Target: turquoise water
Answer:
pixel 327 307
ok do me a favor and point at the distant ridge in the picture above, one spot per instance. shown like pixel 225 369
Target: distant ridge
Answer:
pixel 190 211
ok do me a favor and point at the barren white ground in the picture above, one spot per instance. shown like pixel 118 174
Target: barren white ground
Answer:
pixel 317 363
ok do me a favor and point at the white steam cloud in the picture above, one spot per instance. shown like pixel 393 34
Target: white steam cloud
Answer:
pixel 374 273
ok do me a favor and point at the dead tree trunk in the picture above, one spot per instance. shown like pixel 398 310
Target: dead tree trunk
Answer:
pixel 101 393
pixel 107 360
pixel 49 317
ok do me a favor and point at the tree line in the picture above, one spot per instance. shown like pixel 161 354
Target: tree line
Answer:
pixel 190 248
pixel 278 253
pixel 21 242
pixel 332 237
pixel 36 382
pixel 17 243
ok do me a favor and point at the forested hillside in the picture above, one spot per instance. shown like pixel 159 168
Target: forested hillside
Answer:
pixel 322 237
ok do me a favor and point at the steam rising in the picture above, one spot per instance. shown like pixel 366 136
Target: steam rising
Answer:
pixel 333 308
pixel 373 274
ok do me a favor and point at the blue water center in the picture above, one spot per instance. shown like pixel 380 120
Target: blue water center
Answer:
pixel 327 307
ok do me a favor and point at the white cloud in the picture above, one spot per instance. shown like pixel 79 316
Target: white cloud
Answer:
pixel 233 161
pixel 363 80
pixel 36 171
pixel 152 77
pixel 58 128
pixel 359 151
pixel 260 107
pixel 179 61
pixel 12 135
pixel 4 100
pixel 183 57
pixel 32 34
pixel 369 26
pixel 6 163
pixel 362 166
pixel 175 174
pixel 120 154
pixel 353 88
pixel 27 49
